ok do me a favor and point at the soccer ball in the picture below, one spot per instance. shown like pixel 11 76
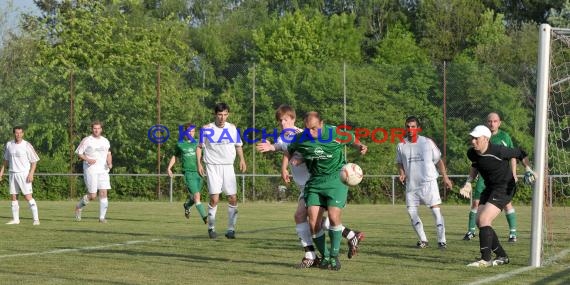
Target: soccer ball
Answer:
pixel 351 174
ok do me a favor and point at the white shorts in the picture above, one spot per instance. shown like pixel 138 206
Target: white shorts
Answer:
pixel 18 184
pixel 96 181
pixel 221 178
pixel 427 194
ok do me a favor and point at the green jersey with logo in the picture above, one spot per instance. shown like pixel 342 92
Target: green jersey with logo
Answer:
pixel 323 155
pixel 186 153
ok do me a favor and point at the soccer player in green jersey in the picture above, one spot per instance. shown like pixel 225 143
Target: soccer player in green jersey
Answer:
pixel 501 138
pixel 186 153
pixel 322 149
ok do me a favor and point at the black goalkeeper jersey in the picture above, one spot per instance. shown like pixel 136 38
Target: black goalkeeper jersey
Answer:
pixel 494 165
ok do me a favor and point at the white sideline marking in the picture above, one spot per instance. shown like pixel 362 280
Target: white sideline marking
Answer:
pixel 549 261
pixel 78 249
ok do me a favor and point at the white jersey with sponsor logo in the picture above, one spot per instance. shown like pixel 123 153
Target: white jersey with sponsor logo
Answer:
pixel 219 144
pixel 300 172
pixel 418 160
pixel 20 156
pixel 94 148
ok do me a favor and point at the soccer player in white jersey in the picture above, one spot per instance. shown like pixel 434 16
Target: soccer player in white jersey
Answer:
pixel 416 158
pixel 21 158
pixel 285 116
pixel 95 152
pixel 219 143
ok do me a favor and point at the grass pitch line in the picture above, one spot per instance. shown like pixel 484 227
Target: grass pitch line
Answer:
pixel 549 261
pixel 66 250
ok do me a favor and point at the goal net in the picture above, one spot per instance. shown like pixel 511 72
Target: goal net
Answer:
pixel 552 146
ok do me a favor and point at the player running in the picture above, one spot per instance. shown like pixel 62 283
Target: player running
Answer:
pixel 186 154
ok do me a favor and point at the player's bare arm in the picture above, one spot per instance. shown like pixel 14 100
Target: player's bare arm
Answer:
pixel 514 168
pixel 402 173
pixel 443 171
pixel 30 177
pixel 360 147
pixel 242 165
pixel 4 164
pixel 264 147
pixel 285 167
pixel 170 164
pixel 199 161
pixel 109 160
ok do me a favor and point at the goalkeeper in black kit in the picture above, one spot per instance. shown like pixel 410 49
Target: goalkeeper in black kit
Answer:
pixel 492 162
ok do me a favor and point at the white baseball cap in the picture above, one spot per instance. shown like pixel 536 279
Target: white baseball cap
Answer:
pixel 479 131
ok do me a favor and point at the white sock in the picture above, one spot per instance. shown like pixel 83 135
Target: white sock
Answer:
pixel 439 224
pixel 15 211
pixel 103 205
pixel 83 202
pixel 304 234
pixel 232 217
pixel 34 208
pixel 325 224
pixel 417 223
pixel 212 216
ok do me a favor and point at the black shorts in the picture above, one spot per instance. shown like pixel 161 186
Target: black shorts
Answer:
pixel 499 197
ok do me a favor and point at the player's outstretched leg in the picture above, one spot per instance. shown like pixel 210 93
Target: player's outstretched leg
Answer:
pixel 354 239
pixel 202 212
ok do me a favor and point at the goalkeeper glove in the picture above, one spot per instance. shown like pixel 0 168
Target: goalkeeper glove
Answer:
pixel 465 191
pixel 529 176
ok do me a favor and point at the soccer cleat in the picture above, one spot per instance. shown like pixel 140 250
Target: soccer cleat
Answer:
pixel 205 219
pixel 469 236
pixel 442 245
pixel 103 221
pixel 77 214
pixel 36 223
pixel 353 244
pixel 306 263
pixel 501 260
pixel 186 211
pixel 325 263
pixel 480 263
pixel 13 222
pixel 230 234
pixel 512 238
pixel 334 263
pixel 212 233
pixel 422 244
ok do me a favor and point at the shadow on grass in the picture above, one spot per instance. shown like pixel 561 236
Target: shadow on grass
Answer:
pixel 562 277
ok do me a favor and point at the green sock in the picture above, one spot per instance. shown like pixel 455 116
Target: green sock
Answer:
pixel 512 220
pixel 201 210
pixel 335 234
pixel 472 217
pixel 320 242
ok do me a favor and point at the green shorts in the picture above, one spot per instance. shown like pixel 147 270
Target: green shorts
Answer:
pixel 479 187
pixel 326 191
pixel 193 181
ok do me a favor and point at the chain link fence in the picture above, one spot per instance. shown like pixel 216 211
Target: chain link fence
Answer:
pixel 56 107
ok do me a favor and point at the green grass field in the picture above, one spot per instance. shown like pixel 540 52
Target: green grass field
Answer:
pixel 152 243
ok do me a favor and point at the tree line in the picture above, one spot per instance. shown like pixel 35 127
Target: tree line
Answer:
pixel 133 64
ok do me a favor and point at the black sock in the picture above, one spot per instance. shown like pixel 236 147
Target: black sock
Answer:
pixel 345 232
pixel 486 242
pixel 496 246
